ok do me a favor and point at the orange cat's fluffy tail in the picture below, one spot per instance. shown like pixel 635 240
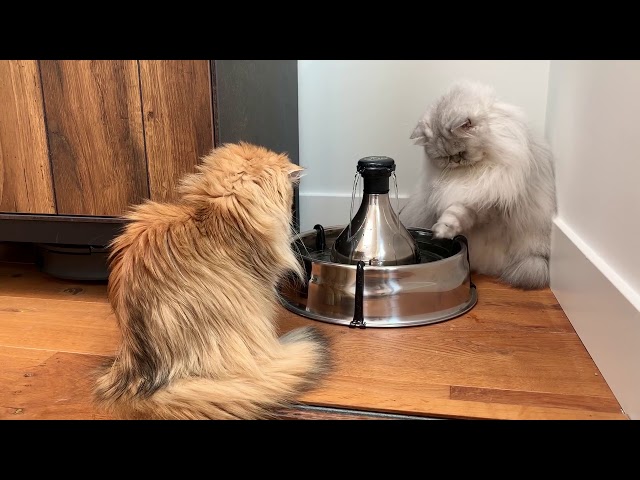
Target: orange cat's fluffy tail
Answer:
pixel 303 358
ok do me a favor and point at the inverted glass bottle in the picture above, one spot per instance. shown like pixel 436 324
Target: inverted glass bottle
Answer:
pixel 375 234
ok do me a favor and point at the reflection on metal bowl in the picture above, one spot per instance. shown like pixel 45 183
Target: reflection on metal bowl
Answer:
pixel 436 289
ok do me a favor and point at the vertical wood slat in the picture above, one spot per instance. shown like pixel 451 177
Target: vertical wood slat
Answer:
pixel 26 184
pixel 94 124
pixel 178 118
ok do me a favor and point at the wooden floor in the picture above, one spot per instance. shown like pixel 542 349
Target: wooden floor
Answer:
pixel 514 356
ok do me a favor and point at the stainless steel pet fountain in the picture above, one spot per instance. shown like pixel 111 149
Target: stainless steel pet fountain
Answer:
pixel 375 272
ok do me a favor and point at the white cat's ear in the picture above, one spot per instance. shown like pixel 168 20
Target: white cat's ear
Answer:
pixel 417 132
pixel 463 127
pixel 420 134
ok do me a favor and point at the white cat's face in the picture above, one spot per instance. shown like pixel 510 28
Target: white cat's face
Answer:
pixel 453 131
pixel 451 147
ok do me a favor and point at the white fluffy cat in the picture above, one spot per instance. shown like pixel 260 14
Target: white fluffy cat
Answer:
pixel 490 178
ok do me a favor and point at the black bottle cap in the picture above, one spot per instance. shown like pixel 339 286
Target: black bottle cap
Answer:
pixel 376 172
pixel 376 166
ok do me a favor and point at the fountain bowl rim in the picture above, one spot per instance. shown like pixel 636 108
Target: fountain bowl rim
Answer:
pixel 380 268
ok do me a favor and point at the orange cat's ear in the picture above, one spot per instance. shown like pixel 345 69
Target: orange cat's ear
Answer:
pixel 296 174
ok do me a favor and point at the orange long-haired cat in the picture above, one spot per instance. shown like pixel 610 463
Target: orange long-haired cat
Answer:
pixel 193 288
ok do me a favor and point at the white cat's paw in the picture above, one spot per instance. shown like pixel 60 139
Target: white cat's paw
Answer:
pixel 443 230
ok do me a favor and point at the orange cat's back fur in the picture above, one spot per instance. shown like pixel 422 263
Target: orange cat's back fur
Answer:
pixel 193 288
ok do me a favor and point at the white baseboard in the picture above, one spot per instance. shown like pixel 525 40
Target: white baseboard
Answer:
pixel 330 209
pixel 603 309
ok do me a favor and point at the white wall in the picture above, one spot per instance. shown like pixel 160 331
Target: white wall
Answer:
pixel 593 125
pixel 349 109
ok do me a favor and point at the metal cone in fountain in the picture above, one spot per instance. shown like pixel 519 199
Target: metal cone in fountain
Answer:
pixel 375 235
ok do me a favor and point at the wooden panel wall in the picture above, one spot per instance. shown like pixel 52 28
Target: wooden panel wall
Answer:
pixel 25 174
pixel 94 122
pixel 85 137
pixel 178 118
